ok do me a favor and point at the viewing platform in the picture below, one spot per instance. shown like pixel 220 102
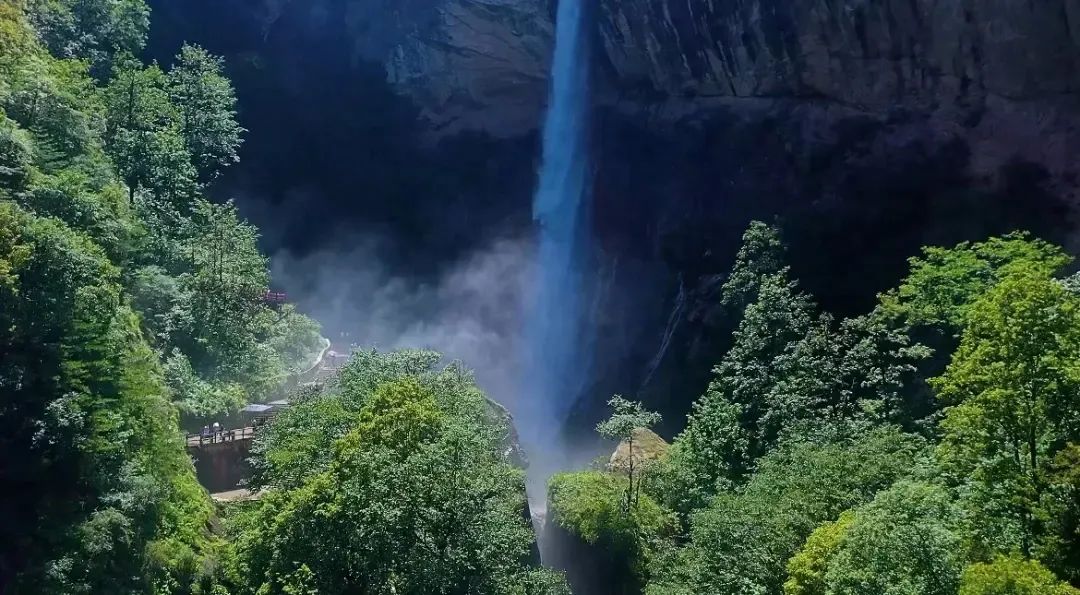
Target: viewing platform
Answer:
pixel 222 437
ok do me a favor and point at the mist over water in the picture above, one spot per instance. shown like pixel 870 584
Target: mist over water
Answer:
pixel 556 346
pixel 515 310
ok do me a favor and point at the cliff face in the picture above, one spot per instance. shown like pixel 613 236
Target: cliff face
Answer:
pixel 456 56
pixel 999 75
pixel 472 63
pixel 870 54
pixel 868 127
pixel 467 64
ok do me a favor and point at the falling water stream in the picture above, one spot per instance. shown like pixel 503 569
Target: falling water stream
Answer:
pixel 557 348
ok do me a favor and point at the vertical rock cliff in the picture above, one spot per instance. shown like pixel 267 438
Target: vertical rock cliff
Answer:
pixel 867 127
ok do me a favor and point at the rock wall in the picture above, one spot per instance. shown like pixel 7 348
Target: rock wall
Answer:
pixel 1003 75
pixel 467 64
pixel 866 127
pixel 869 127
pixel 867 53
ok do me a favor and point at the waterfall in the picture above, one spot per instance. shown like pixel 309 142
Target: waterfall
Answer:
pixel 557 347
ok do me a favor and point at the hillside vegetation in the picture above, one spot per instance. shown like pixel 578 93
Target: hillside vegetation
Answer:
pixel 929 447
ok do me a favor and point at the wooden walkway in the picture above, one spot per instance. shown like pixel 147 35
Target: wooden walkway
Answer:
pixel 222 437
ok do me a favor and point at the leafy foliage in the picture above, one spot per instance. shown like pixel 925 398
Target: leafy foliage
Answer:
pixel 742 541
pixel 1012 575
pixel 789 371
pixel 796 472
pixel 207 105
pixel 592 506
pixel 945 282
pixel 806 569
pixel 627 417
pixel 339 523
pixel 1013 385
pixel 905 542
pixel 99 335
pixel 88 438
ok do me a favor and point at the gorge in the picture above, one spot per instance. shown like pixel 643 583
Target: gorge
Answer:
pixel 539 297
pixel 875 128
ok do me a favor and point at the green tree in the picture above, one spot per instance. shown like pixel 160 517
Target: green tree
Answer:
pixel 1012 575
pixel 296 338
pixel 401 416
pixel 1059 515
pixel 626 418
pixel 906 542
pixel 945 282
pixel 103 213
pixel 58 102
pixel 591 507
pixel 207 109
pixel 92 29
pixel 806 569
pixel 163 304
pixel 16 158
pixel 1012 389
pixel 761 256
pixel 742 541
pixel 731 426
pixel 857 369
pixel 460 530
pixel 299 442
pixel 102 479
pixel 227 284
pixel 143 134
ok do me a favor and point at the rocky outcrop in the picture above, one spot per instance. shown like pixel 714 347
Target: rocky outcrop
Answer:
pixel 467 64
pixel 647 449
pixel 477 64
pixel 867 54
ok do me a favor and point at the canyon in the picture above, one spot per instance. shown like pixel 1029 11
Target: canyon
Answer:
pixel 865 129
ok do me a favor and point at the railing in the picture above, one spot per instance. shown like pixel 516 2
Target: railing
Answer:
pixel 221 437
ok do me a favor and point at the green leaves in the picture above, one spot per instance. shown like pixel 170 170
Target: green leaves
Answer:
pixel 796 432
pixel 416 497
pixel 745 538
pixel 207 106
pixel 905 542
pixel 1013 386
pixel 944 282
pixel 86 434
pixel 591 506
pixel 91 29
pixel 1012 575
pixel 806 569
pixel 626 417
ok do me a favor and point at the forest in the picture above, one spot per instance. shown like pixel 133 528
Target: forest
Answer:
pixel 929 446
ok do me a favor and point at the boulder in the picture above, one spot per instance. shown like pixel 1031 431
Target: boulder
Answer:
pixel 648 448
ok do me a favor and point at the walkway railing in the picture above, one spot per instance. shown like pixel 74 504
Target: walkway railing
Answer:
pixel 221 437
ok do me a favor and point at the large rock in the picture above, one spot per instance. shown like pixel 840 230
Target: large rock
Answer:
pixel 467 64
pixel 648 448
pixel 476 64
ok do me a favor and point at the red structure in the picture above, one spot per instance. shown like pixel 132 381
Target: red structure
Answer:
pixel 275 298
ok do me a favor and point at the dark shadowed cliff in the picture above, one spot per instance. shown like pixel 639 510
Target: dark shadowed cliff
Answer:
pixel 866 129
